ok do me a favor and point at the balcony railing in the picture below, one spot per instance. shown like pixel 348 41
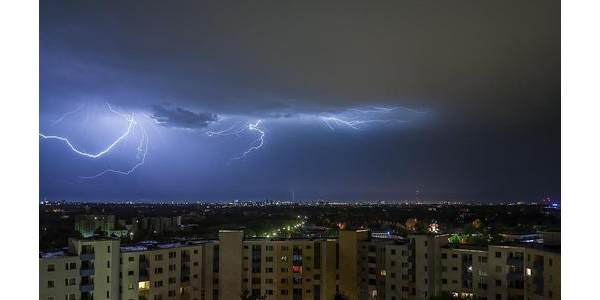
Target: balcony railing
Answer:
pixel 86 271
pixel 87 256
pixel 86 287
pixel 514 261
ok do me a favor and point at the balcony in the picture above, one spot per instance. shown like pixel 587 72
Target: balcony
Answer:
pixel 86 287
pixel 514 261
pixel 87 256
pixel 86 271
pixel 87 296
pixel 515 276
pixel 144 263
pixel 185 270
pixel 144 276
pixel 538 265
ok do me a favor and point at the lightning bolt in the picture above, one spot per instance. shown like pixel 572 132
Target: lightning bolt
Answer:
pixel 142 150
pixel 260 141
pixel 355 124
pixel 374 110
pixel 235 129
pixel 66 115
pixel 129 119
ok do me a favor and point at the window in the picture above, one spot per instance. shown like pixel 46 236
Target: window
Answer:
pixel 528 271
pixel 498 254
pixel 196 251
pixel 158 283
pixel 284 292
pixel 498 268
pixel 108 249
pixel 393 251
pixel 108 264
pixel 172 254
pixel 444 269
pixel 269 259
pixel 454 255
pixel 107 294
pixel 130 287
pixel 158 257
pixel 50 268
pixel 444 281
pixel 550 261
pixel 72 297
pixel 444 255
pixel 171 293
pixel 498 296
pixel 171 267
pixel 158 270
pixel 498 282
pixel 130 273
pixel 131 258
pixel 50 284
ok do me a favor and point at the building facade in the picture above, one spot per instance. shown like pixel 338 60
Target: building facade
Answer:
pixel 359 266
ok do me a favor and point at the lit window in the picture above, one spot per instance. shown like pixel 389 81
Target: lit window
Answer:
pixel 144 285
pixel 383 273
pixel 528 272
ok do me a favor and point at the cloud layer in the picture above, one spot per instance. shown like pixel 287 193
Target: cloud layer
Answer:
pixel 178 117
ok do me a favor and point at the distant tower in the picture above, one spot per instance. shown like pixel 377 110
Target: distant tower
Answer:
pixel 418 195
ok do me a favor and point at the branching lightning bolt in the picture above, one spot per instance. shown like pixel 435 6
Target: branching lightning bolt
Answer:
pixel 129 119
pixel 235 129
pixel 354 124
pixel 260 141
pixel 143 146
pixel 65 115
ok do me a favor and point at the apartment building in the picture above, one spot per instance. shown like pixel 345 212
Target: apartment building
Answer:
pixel 502 272
pixel 362 267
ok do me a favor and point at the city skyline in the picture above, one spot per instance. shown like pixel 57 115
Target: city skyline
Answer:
pixel 365 102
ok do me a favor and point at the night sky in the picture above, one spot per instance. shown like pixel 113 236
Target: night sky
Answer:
pixel 367 100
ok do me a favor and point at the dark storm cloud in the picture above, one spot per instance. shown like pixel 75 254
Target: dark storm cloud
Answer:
pixel 181 118
pixel 470 58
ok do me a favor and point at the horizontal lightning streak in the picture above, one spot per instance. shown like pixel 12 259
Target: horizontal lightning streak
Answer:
pixel 129 118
